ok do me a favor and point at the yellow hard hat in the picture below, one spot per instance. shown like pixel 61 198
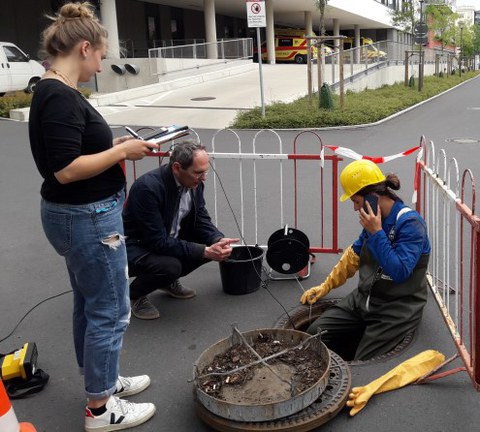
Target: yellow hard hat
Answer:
pixel 358 174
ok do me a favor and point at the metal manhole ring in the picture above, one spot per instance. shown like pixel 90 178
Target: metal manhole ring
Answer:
pixel 300 317
pixel 327 406
pixel 203 98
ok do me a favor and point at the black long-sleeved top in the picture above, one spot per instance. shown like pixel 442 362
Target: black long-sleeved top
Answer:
pixel 63 126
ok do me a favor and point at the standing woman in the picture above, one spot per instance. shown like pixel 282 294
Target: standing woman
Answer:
pixel 82 198
pixel 391 255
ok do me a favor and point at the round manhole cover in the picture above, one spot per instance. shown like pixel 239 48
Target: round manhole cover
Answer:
pixel 463 140
pixel 327 406
pixel 203 98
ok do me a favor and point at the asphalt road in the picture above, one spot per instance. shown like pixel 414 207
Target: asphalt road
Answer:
pixel 167 348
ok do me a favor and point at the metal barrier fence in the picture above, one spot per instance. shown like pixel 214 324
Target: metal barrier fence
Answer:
pixel 268 201
pixel 454 232
pixel 194 56
pixel 258 187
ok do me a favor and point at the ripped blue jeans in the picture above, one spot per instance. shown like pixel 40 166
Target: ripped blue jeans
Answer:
pixel 90 238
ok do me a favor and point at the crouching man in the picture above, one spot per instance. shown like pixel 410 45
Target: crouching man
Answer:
pixel 168 228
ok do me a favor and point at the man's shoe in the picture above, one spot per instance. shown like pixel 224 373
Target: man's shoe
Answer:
pixel 178 291
pixel 120 414
pixel 144 309
pixel 128 386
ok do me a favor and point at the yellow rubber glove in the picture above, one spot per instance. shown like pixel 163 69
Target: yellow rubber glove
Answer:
pixel 346 267
pixel 405 373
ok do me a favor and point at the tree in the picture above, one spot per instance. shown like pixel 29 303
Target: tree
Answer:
pixel 442 21
pixel 320 4
pixel 476 39
pixel 406 19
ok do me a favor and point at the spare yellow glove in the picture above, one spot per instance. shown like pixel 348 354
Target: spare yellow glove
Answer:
pixel 346 267
pixel 405 373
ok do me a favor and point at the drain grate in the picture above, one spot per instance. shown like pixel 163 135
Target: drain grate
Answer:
pixel 203 98
pixel 463 140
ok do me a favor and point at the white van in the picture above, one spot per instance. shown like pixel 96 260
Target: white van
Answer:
pixel 17 70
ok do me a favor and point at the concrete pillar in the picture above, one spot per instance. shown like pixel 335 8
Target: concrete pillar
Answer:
pixel 108 12
pixel 336 32
pixel 210 28
pixel 358 42
pixel 270 32
pixel 308 23
pixel 356 28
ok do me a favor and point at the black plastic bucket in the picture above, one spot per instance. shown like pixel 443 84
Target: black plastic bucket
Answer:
pixel 241 272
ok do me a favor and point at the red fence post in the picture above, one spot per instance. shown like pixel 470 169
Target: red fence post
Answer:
pixel 476 306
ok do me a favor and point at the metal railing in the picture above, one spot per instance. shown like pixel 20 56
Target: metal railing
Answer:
pixel 299 188
pixel 198 55
pixel 454 232
pixel 358 61
pixel 260 201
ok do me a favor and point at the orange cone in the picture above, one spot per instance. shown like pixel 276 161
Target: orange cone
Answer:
pixel 8 419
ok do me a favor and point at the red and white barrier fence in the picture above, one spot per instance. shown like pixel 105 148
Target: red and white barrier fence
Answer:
pixel 454 231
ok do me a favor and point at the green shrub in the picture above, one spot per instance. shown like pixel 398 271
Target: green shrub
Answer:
pixel 367 106
pixel 14 100
pixel 21 99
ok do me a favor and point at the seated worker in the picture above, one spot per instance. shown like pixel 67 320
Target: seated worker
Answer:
pixel 391 255
pixel 169 231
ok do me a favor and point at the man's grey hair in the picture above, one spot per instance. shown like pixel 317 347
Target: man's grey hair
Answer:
pixel 184 152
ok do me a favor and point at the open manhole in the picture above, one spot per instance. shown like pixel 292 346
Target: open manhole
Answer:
pixel 203 98
pixel 262 375
pixel 463 140
pixel 323 409
pixel 301 317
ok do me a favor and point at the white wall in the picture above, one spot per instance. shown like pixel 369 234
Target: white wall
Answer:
pixel 370 9
pixel 389 75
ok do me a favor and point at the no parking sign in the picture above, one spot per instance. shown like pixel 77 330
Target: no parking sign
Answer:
pixel 256 16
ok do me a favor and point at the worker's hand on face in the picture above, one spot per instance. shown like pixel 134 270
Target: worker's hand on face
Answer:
pixel 313 294
pixel 371 222
pixel 221 250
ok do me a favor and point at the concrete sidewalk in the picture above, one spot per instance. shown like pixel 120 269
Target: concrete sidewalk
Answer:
pixel 208 99
pixel 213 103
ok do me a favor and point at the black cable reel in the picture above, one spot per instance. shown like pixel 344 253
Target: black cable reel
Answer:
pixel 288 250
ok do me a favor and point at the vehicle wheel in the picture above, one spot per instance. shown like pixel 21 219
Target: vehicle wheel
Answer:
pixel 31 85
pixel 300 59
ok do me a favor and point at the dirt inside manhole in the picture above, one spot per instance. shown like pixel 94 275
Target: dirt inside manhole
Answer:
pixel 299 369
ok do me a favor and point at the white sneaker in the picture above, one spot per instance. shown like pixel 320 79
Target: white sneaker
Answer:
pixel 120 414
pixel 127 386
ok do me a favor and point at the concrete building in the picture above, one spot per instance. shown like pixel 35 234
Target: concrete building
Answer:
pixel 467 15
pixel 137 25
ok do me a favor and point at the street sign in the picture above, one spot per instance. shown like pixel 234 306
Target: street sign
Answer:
pixel 421 40
pixel 256 16
pixel 420 32
pixel 420 29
